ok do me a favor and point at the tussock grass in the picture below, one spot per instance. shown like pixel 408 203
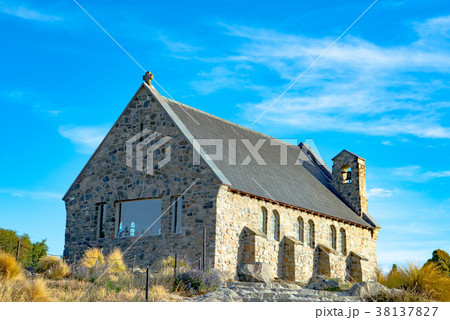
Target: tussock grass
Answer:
pixel 169 263
pixel 53 267
pixel 24 291
pixel 428 282
pixel 93 257
pixel 115 260
pixel 10 269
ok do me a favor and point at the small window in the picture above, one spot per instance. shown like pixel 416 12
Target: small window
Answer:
pixel 333 237
pixel 275 225
pixel 311 234
pixel 264 220
pixel 139 217
pixel 346 174
pixel 101 220
pixel 300 229
pixel 177 210
pixel 343 242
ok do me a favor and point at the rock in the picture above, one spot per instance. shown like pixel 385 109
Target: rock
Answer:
pixel 28 274
pixel 225 275
pixel 221 295
pixel 323 284
pixel 254 272
pixel 368 289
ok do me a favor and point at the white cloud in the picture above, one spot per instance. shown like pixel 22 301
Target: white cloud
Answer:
pixel 32 99
pixel 387 143
pixel 379 193
pixel 358 86
pixel 36 195
pixel 416 173
pixel 87 139
pixel 25 13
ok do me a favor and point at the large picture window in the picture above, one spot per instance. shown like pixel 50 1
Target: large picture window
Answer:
pixel 135 217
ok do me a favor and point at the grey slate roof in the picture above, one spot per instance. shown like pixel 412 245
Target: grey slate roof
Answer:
pixel 306 185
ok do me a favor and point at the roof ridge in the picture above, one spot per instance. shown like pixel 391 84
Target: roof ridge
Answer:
pixel 228 121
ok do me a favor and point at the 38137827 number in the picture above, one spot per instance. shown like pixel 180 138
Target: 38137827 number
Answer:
pixel 406 311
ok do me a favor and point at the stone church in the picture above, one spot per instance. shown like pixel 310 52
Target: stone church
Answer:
pixel 166 173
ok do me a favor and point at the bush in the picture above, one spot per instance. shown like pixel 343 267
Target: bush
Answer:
pixel 29 253
pixel 197 281
pixel 53 267
pixel 429 282
pixel 442 260
pixel 10 269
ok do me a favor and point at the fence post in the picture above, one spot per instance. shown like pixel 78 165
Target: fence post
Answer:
pixel 204 249
pixel 134 263
pixel 175 265
pixel 18 250
pixel 146 285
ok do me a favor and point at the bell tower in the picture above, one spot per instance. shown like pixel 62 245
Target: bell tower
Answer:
pixel 349 179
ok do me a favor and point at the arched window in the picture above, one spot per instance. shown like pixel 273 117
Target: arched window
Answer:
pixel 311 234
pixel 300 229
pixel 333 237
pixel 263 221
pixel 343 242
pixel 275 225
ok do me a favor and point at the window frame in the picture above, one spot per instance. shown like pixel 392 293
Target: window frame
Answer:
pixel 177 214
pixel 333 237
pixel 343 235
pixel 300 229
pixel 311 234
pixel 263 221
pixel 275 226
pixel 101 219
pixel 118 215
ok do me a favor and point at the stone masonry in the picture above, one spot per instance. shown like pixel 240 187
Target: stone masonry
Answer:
pixel 232 218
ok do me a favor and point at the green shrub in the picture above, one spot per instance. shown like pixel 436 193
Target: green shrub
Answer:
pixel 29 253
pixel 442 260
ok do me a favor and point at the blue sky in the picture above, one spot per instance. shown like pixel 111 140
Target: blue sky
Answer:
pixel 382 92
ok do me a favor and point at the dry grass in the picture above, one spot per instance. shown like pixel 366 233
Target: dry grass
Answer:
pixel 10 269
pixel 93 257
pixel 427 282
pixel 24 291
pixel 169 263
pixel 53 267
pixel 111 288
pixel 115 260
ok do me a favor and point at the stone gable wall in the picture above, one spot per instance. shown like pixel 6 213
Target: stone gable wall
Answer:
pixel 107 179
pixel 236 211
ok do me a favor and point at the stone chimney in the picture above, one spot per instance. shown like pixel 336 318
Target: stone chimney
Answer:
pixel 349 179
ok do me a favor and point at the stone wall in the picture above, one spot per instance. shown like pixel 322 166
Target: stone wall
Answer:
pixel 236 211
pixel 107 179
